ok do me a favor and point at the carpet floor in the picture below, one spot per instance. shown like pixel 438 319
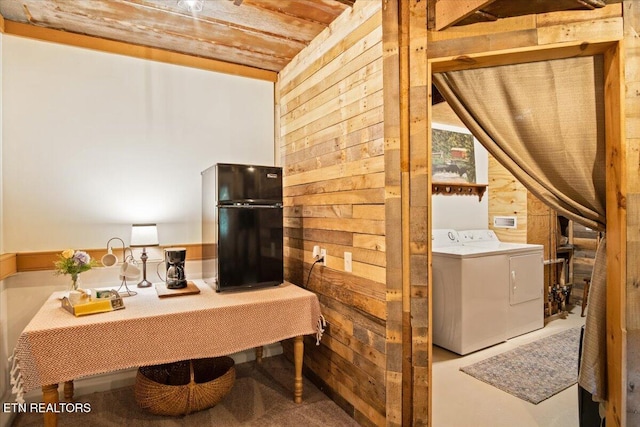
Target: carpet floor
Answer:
pixel 262 395
pixel 535 371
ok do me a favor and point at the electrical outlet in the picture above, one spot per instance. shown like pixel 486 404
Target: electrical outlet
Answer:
pixel 323 255
pixel 316 252
pixel 348 262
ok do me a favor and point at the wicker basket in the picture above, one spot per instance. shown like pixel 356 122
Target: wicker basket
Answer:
pixel 183 387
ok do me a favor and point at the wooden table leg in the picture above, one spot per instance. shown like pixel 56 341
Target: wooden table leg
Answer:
pixel 259 354
pixel 50 397
pixel 68 391
pixel 298 355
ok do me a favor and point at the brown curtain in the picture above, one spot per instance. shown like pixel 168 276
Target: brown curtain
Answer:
pixel 544 122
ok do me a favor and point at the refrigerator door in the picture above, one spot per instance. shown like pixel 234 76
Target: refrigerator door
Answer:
pixel 249 246
pixel 246 184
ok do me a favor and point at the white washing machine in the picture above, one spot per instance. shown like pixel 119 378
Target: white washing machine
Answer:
pixel 525 264
pixel 470 300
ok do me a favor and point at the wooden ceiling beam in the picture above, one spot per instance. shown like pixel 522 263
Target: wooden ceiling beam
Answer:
pixel 486 16
pixel 448 13
pixel 321 12
pixel 347 2
pixel 592 4
pixel 206 20
pixel 519 55
pixel 136 51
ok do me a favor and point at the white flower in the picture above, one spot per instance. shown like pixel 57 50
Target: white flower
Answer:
pixel 81 258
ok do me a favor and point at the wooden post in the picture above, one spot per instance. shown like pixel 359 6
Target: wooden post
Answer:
pixel 259 355
pixel 405 107
pixel 393 213
pixel 614 95
pixel 417 406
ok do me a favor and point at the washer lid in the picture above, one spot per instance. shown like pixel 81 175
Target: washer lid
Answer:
pixel 467 251
pixel 470 250
pixel 507 247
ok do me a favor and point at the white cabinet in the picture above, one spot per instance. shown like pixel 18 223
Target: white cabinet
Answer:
pixel 526 296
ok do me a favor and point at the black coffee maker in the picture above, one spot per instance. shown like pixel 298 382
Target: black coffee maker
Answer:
pixel 174 259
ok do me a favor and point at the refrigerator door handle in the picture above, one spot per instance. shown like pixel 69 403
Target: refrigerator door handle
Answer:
pixel 244 202
pixel 247 206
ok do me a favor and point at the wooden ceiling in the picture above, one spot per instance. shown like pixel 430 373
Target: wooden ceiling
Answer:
pixel 447 13
pixel 258 35
pixel 264 34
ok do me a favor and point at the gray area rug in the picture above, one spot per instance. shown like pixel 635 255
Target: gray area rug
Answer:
pixel 535 371
pixel 262 395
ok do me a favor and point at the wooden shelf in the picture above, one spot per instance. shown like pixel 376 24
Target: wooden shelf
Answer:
pixel 458 188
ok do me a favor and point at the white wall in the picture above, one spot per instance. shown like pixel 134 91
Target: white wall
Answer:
pixel 5 389
pixel 4 379
pixel 464 212
pixel 1 132
pixel 94 142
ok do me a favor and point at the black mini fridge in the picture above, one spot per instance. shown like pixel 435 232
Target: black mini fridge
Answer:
pixel 247 216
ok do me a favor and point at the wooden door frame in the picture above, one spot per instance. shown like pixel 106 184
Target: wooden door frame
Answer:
pixel 615 143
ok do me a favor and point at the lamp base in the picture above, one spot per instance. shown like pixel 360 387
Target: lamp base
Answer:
pixel 144 283
pixel 128 292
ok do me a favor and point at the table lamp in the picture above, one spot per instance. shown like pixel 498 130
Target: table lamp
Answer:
pixel 143 236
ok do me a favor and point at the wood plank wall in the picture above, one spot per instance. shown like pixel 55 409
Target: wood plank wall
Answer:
pixel 507 197
pixel 542 229
pixel 336 164
pixel 332 152
pixel 631 12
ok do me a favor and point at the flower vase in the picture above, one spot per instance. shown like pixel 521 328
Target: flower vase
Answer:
pixel 75 282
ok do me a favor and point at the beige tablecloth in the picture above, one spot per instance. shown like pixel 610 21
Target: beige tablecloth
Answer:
pixel 56 346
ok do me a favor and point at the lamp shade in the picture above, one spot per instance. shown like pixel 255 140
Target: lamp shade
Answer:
pixel 144 235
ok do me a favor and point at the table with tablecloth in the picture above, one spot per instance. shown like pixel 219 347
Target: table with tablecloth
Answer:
pixel 58 347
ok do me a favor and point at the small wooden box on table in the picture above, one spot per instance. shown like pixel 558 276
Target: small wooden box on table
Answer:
pixel 57 347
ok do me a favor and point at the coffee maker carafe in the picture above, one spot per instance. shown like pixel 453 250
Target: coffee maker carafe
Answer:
pixel 174 259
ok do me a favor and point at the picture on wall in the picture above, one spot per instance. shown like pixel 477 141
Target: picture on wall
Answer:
pixel 452 155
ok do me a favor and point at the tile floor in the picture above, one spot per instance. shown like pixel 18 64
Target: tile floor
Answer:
pixel 261 396
pixel 460 400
